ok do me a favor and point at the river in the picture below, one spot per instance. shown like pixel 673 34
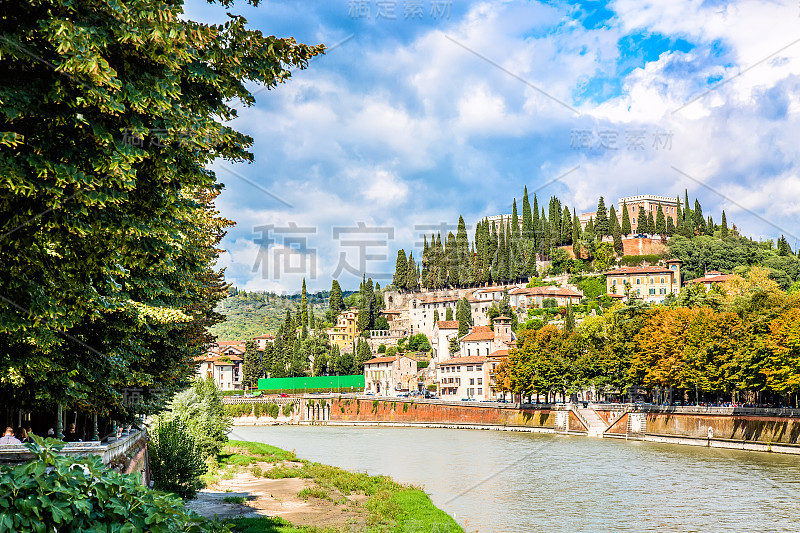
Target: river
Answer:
pixel 494 481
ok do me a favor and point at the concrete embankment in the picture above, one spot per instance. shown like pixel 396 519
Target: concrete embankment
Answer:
pixel 736 428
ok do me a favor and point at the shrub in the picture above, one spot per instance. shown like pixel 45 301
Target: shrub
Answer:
pixel 205 416
pixel 549 303
pixel 64 493
pixel 273 410
pixel 287 409
pixel 176 460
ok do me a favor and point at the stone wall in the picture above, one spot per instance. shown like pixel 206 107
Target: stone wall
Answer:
pixel 402 410
pixel 766 429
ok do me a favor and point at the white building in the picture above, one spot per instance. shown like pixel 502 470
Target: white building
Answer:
pixel 526 298
pixel 224 369
pixel 262 340
pixel 443 331
pixel 387 376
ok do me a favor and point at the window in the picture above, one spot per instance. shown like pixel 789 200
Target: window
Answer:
pixel 469 369
pixel 472 381
pixel 467 352
pixel 638 281
pixel 480 391
pixel 652 280
pixel 480 381
pixel 662 280
pixel 479 367
pixel 614 281
pixel 652 291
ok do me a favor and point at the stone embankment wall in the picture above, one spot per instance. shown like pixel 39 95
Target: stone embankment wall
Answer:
pixel 390 410
pixel 765 429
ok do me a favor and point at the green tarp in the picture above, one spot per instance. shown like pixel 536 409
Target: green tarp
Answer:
pixel 316 383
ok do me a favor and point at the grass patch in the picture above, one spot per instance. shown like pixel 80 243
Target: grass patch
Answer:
pixel 313 492
pixel 265 525
pixel 264 452
pixel 234 499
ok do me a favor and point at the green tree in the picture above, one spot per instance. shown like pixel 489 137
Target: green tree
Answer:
pixel 464 316
pixel 253 366
pixel 601 226
pixel 125 208
pixel 604 255
pixel 699 221
pixel 335 301
pixel 448 313
pixel 203 413
pixel 412 276
pixel 304 305
pixel 641 221
pixel 569 318
pixel 363 354
pixel 576 235
pixel 435 316
pixel 661 223
pixel 723 226
pixel 400 270
pixel 626 220
pixel 670 228
pixel 616 233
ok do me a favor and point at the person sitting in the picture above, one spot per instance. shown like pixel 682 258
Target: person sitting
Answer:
pixel 22 435
pixel 9 437
pixel 71 436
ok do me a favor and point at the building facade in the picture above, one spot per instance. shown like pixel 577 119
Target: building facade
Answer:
pixel 527 298
pixel 388 376
pixel 224 369
pixel 464 378
pixel 345 331
pixel 443 331
pixel 712 278
pixel 650 283
pixel 648 203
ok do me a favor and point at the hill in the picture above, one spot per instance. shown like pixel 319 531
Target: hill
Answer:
pixel 254 313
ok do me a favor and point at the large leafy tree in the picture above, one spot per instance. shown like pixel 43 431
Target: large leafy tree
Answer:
pixel 111 114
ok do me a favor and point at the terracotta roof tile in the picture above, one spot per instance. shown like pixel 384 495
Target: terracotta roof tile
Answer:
pixel 626 271
pixel 447 324
pixel 464 360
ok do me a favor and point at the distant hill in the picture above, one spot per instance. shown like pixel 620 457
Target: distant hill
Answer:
pixel 254 313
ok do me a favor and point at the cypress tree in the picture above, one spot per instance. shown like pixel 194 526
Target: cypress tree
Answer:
pixel 462 253
pixel 699 224
pixel 661 224
pixel 723 232
pixel 616 233
pixel 451 259
pixel 527 217
pixel 576 235
pixel 412 276
pixel 670 227
pixel 502 253
pixel 710 226
pixel 535 225
pixel 601 227
pixel 400 268
pixel 335 301
pixel 425 262
pixel 641 221
pixel 625 226
pixel 566 227
pixel 464 316
pixel 613 220
pixel 448 313
pixel 363 306
pixel 253 366
pixel 569 318
pixel 687 219
pixel 651 224
pixel 312 321
pixel 303 304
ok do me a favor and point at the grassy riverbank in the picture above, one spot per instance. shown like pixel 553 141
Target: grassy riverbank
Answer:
pixel 274 491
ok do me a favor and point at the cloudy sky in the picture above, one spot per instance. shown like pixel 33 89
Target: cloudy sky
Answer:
pixel 422 111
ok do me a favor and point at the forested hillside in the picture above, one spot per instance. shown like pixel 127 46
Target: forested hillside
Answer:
pixel 249 314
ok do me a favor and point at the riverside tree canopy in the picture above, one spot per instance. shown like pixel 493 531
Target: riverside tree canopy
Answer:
pixel 110 113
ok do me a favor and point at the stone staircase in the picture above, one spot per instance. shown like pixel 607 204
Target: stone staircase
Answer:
pixel 595 425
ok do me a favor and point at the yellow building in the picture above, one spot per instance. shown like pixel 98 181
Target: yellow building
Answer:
pixel 345 331
pixel 650 283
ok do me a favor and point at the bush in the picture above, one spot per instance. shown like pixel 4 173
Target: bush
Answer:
pixel 422 364
pixel 637 260
pixel 205 416
pixel 176 460
pixel 287 409
pixel 273 410
pixel 64 493
pixel 549 303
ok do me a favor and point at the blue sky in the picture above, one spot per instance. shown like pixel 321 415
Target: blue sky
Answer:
pixel 422 111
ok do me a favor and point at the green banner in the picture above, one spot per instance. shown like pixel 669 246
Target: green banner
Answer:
pixel 319 383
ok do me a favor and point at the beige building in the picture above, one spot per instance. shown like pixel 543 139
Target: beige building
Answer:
pixel 464 378
pixel 711 278
pixel 527 298
pixel 387 376
pixel 483 341
pixel 262 340
pixel 650 283
pixel 648 203
pixel 345 331
pixel 224 369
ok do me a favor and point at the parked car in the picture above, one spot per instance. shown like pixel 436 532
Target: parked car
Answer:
pixel 284 395
pixel 370 393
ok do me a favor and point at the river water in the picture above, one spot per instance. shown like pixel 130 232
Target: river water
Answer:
pixel 493 481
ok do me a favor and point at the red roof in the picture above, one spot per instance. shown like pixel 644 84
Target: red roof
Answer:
pixel 499 353
pixel 265 336
pixel 713 279
pixel 479 333
pixel 447 324
pixel 548 290
pixel 626 271
pixel 464 360
pixel 382 359
pixel 438 299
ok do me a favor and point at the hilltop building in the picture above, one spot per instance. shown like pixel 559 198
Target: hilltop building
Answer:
pixel 345 331
pixel 650 283
pixel 712 278
pixel 388 376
